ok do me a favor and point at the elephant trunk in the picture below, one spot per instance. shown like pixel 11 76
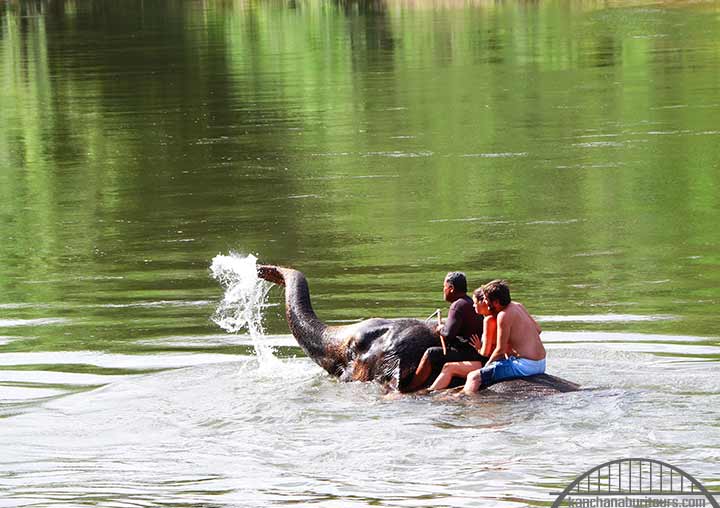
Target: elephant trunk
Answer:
pixel 319 341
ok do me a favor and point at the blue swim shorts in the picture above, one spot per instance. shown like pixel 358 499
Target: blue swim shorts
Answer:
pixel 511 368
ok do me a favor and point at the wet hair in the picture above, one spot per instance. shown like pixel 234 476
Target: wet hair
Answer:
pixel 497 290
pixel 457 280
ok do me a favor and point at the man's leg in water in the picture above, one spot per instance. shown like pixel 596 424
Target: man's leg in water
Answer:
pixel 473 382
pixel 422 373
pixel 453 369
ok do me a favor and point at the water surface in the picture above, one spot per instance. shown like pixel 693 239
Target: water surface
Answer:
pixel 571 148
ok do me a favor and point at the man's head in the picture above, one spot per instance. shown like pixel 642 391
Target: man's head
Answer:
pixel 497 292
pixel 454 286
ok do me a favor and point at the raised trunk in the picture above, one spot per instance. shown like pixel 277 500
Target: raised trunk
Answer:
pixel 319 341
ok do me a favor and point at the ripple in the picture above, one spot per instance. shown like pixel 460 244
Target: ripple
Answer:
pixel 481 220
pixel 218 340
pixel 398 154
pixel 604 318
pixel 159 303
pixel 10 394
pixel 7 323
pixel 22 306
pixel 590 337
pixel 116 361
pixel 331 154
pixel 101 277
pixel 350 177
pixel 605 165
pixel 599 144
pixel 304 196
pixel 667 133
pixel 552 222
pixel 595 254
pixel 56 378
pixel 213 141
pixel 673 106
pixel 498 155
pixel 677 352
pixel 607 135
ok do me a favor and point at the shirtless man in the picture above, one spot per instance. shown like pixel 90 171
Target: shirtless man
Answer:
pixel 517 331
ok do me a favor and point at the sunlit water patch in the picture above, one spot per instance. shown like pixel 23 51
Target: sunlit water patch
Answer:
pixel 603 318
pixel 398 154
pixel 11 306
pixel 502 155
pixel 7 339
pixel 9 323
pixel 236 434
pixel 10 394
pixel 480 220
pixel 113 361
pixel 160 303
pixel 220 340
pixel 57 378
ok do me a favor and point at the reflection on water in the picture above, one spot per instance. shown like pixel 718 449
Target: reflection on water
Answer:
pixel 569 147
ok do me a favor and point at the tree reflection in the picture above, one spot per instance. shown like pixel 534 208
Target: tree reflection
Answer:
pixel 344 132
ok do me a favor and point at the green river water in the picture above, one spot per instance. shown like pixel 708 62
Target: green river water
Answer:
pixel 572 148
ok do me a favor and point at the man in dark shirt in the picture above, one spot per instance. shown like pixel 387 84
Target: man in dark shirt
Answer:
pixel 461 323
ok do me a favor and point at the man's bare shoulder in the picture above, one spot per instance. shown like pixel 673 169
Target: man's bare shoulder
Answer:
pixel 514 308
pixel 520 308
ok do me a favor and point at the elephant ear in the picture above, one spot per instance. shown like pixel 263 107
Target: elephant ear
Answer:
pixel 398 368
pixel 409 349
pixel 387 370
pixel 405 373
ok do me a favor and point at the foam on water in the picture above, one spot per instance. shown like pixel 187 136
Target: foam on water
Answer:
pixel 244 300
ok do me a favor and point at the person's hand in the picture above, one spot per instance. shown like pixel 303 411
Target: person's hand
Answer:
pixel 476 341
pixel 438 328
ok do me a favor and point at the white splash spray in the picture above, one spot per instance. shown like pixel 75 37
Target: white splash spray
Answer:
pixel 244 300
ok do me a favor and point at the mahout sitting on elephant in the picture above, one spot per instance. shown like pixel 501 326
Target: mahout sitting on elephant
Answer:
pixel 455 333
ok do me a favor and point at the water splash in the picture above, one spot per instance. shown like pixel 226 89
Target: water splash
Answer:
pixel 244 300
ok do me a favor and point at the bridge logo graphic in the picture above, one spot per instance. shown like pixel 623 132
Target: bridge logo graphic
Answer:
pixel 635 482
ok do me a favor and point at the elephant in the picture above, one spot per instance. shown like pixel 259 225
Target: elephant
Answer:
pixel 387 351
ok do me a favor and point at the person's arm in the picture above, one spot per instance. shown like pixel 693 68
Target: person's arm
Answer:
pixel 537 326
pixel 452 324
pixel 503 337
pixel 489 336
